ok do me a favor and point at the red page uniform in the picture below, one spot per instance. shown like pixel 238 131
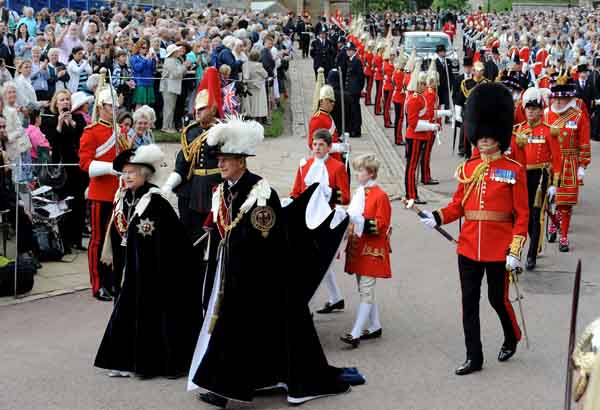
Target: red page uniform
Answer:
pixel 368 70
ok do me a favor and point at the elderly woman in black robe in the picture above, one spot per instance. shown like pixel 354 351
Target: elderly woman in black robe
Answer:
pixel 154 325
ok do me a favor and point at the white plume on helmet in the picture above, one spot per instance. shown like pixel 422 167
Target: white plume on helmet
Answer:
pixel 236 136
pixel 532 95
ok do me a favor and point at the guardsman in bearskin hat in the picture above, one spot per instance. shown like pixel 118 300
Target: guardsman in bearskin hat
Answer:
pixel 388 87
pixel 323 103
pixel 492 198
pixel 398 97
pixel 368 249
pixel 196 172
pixel 466 86
pixel 418 129
pixel 97 151
pixel 571 127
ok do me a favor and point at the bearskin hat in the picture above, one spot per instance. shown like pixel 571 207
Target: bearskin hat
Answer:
pixel 489 112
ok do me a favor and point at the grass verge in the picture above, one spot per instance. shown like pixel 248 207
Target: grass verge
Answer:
pixel 160 136
pixel 277 121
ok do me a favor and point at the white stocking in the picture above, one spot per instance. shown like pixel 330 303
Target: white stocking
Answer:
pixel 362 317
pixel 374 319
pixel 334 291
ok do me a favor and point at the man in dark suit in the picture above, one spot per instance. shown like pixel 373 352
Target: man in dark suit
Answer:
pixel 457 98
pixel 445 76
pixel 354 82
pixel 341 58
pixel 322 52
pixel 594 79
pixel 321 24
pixel 585 87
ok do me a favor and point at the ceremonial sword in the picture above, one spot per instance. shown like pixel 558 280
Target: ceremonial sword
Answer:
pixel 410 204
pixel 572 331
pixel 513 276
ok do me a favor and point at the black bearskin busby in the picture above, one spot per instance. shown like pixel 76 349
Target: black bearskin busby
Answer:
pixel 489 112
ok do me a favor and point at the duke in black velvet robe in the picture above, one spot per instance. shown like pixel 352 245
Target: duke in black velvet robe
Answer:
pixel 263 332
pixel 154 325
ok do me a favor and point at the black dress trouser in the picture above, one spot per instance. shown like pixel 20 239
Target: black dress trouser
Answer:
pixel 471 275
pixel 534 178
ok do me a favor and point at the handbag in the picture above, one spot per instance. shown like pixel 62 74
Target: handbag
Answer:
pixel 49 242
pixel 26 269
pixel 53 176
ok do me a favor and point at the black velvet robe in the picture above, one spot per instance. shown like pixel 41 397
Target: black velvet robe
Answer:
pixel 155 322
pixel 263 332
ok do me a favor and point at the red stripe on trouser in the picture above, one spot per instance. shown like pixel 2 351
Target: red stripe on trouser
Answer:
pixel 378 90
pixel 398 123
pixel 369 90
pixel 565 220
pixel 387 121
pixel 510 310
pixel 426 164
pixel 411 169
pixel 94 245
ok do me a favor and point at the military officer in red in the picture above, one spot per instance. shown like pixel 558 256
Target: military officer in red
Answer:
pixel 398 98
pixel 418 129
pixel 334 182
pixel 492 198
pixel 322 120
pixel 368 63
pixel 388 88
pixel 570 126
pixel 378 76
pixel 368 249
pixel 542 154
pixel 97 152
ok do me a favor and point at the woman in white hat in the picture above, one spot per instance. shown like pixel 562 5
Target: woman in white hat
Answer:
pixel 170 84
pixel 80 104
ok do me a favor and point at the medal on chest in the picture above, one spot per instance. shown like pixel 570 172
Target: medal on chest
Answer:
pixel 263 219
pixel 503 175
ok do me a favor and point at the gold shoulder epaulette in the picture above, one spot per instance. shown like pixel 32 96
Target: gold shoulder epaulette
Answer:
pixel 519 124
pixel 512 160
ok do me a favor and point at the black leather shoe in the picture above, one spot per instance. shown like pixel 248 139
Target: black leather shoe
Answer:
pixel 468 367
pixel 530 263
pixel 213 399
pixel 371 335
pixel 103 295
pixel 563 247
pixel 552 237
pixel 350 340
pixel 328 308
pixel 432 182
pixel 507 351
pixel 420 201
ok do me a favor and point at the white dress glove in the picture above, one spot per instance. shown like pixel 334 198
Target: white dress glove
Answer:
pixel 551 192
pixel 172 182
pixel 423 126
pixel 580 173
pixel 443 113
pixel 458 113
pixel 99 168
pixel 428 220
pixel 512 263
pixel 340 147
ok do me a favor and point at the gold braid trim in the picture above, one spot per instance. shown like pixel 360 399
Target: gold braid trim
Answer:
pixel 192 151
pixel 516 246
pixel 474 181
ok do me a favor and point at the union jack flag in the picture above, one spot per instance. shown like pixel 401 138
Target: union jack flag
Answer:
pixel 231 103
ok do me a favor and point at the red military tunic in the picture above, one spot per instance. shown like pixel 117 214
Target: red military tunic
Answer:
pixel 571 130
pixel 322 119
pixel 369 254
pixel 368 63
pixel 539 148
pixel 398 80
pixel 416 109
pixel 544 82
pixel 492 197
pixel 378 67
pixel 388 69
pixel 338 178
pixel 524 54
pixel 98 144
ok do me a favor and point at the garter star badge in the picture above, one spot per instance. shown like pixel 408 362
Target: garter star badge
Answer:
pixel 263 219
pixel 145 227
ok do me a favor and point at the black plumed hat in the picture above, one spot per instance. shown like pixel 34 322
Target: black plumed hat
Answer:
pixel 490 113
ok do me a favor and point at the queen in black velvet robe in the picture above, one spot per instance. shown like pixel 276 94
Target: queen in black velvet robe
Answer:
pixel 155 322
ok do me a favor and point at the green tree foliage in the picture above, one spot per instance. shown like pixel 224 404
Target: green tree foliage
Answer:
pixel 450 4
pixel 366 6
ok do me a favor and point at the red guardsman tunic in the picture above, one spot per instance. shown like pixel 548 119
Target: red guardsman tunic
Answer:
pixel 368 63
pixel 378 67
pixel 571 130
pixel 398 80
pixel 431 98
pixel 338 178
pixel 369 254
pixel 416 109
pixel 322 119
pixel 492 197
pixel 388 70
pixel 97 143
pixel 524 54
pixel 539 148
